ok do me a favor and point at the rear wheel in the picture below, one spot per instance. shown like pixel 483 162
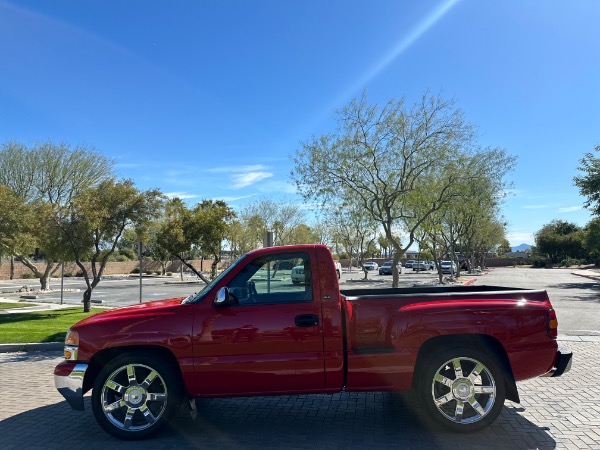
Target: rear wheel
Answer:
pixel 135 395
pixel 461 389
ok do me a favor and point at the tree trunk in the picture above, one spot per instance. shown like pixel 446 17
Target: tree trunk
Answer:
pixel 87 300
pixel 193 269
pixel 45 282
pixel 213 268
pixel 45 277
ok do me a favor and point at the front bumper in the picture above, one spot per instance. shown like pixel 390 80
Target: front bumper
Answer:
pixel 68 379
pixel 562 363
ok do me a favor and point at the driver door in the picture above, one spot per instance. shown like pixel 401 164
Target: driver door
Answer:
pixel 271 340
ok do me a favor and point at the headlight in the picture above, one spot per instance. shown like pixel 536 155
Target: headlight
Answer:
pixel 71 345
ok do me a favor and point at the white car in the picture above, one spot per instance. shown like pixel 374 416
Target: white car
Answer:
pixel 386 268
pixel 448 267
pixel 370 265
pixel 338 269
pixel 298 276
pixel 420 266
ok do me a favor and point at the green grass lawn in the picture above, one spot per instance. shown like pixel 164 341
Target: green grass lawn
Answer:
pixel 40 326
pixel 9 305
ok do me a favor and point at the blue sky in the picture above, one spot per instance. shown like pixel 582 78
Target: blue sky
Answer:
pixel 208 99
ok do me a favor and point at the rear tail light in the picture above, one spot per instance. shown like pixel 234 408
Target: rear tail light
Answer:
pixel 552 324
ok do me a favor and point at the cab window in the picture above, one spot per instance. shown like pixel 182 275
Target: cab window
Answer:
pixel 280 278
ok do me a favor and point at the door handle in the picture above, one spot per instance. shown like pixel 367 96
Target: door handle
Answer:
pixel 307 320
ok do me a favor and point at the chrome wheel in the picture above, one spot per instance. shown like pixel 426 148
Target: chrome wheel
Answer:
pixel 134 397
pixel 463 390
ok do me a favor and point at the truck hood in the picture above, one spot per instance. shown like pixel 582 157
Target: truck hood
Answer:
pixel 154 309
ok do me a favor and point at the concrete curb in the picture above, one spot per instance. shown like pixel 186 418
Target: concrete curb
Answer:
pixel 469 282
pixel 31 347
pixel 591 277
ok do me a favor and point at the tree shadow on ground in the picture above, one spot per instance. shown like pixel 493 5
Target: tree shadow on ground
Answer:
pixel 345 420
pixel 586 291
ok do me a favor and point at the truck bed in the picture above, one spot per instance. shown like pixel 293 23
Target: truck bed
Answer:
pixel 420 291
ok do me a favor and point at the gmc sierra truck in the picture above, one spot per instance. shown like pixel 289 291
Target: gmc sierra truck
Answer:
pixel 252 331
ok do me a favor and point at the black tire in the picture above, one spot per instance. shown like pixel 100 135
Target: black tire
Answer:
pixel 339 274
pixel 461 389
pixel 135 395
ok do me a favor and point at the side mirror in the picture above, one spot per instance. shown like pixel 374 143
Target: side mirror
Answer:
pixel 223 298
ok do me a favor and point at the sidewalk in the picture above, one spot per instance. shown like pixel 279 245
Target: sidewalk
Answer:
pixel 555 413
pixel 592 274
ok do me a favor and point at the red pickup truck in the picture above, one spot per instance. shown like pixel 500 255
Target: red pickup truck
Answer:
pixel 252 331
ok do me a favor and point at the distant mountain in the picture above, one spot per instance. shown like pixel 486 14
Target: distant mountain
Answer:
pixel 521 248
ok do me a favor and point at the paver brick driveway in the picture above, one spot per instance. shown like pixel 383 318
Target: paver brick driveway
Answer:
pixel 555 413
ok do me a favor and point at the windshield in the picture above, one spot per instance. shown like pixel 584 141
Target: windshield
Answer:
pixel 197 298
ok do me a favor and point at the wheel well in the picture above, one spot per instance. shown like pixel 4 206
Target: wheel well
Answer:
pixel 101 358
pixel 483 342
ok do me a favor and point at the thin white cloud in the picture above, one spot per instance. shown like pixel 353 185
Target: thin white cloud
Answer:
pixel 181 195
pixel 243 176
pixel 231 199
pixel 241 180
pixel 570 209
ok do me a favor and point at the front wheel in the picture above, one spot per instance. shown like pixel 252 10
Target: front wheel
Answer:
pixel 135 395
pixel 461 389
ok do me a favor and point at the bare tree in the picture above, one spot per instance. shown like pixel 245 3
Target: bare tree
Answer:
pixel 391 161
pixel 354 230
pixel 48 174
pixel 94 221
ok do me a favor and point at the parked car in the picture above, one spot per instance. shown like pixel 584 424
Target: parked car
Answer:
pixel 430 264
pixel 420 266
pixel 409 263
pixel 448 267
pixel 298 275
pixel 460 348
pixel 370 265
pixel 386 268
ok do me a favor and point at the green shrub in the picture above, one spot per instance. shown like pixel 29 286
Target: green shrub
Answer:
pixel 157 272
pixel 128 253
pixel 169 274
pixel 149 272
pixel 67 274
pixel 136 270
pixel 79 273
pixel 540 261
pixel 27 275
pixel 572 262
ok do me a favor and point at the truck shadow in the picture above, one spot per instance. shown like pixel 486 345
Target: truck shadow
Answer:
pixel 345 420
